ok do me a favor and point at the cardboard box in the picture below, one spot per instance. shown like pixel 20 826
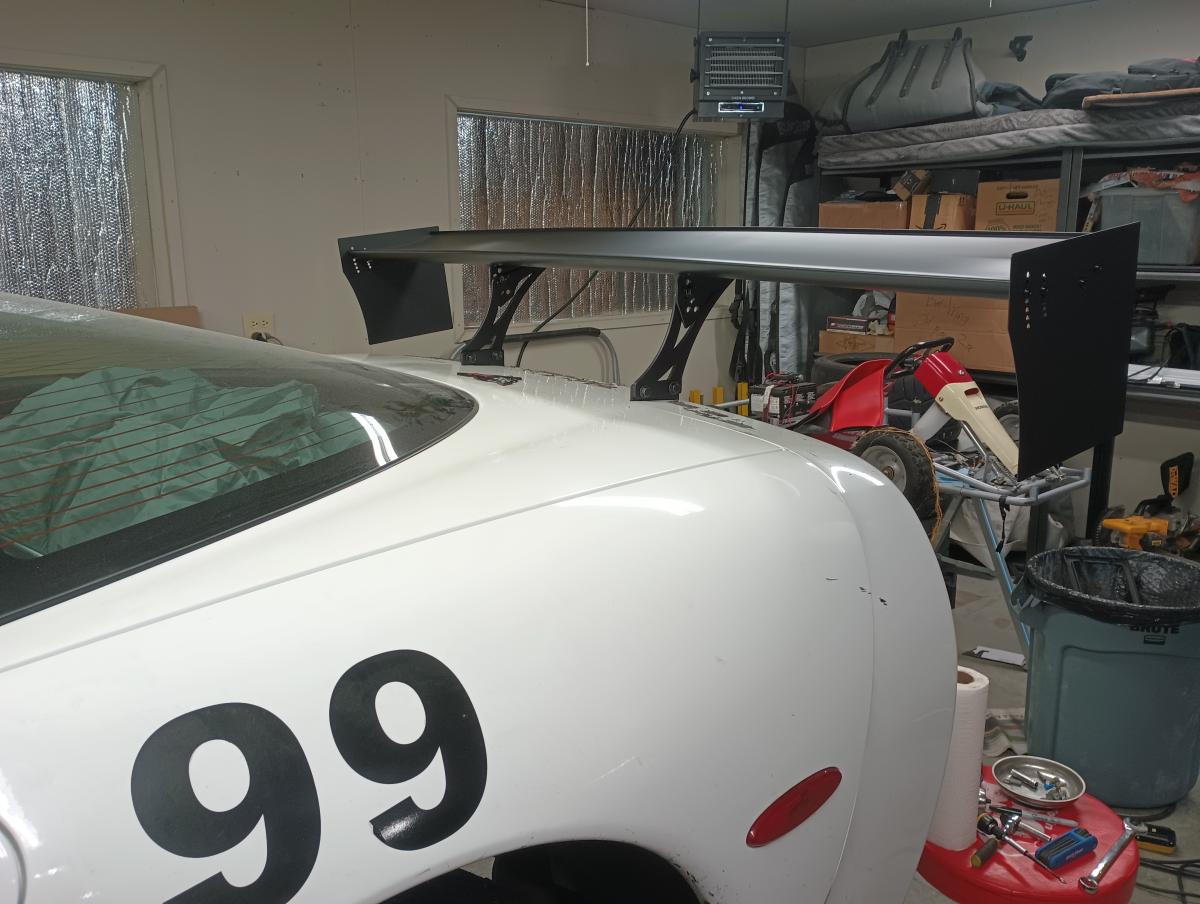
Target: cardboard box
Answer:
pixel 953 212
pixel 975 351
pixel 833 343
pixel 911 182
pixel 979 327
pixel 1018 206
pixel 863 215
pixel 917 310
pixel 954 181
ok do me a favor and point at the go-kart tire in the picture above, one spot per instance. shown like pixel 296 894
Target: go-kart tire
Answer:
pixel 902 459
pixel 1009 416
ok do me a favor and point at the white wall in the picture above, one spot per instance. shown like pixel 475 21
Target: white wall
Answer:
pixel 295 123
pixel 1096 35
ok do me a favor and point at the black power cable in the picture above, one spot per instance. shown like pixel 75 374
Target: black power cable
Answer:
pixel 1179 870
pixel 592 275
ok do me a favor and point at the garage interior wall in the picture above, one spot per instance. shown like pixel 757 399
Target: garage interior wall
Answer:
pixel 294 123
pixel 1077 38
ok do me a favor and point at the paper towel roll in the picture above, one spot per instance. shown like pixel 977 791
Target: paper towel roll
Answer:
pixel 953 826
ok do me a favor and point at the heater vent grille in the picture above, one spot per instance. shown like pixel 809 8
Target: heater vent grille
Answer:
pixel 741 75
pixel 745 66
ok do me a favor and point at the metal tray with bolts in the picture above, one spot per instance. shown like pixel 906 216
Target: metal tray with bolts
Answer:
pixel 1037 768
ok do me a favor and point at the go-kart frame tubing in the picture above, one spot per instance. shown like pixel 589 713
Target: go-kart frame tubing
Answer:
pixel 966 490
pixel 999 569
pixel 1031 491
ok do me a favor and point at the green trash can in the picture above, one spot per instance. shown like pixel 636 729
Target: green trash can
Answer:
pixel 1114 670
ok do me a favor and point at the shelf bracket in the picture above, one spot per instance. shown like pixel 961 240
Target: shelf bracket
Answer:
pixel 509 285
pixel 1018 44
pixel 663 379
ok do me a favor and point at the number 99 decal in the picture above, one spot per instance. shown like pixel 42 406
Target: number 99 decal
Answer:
pixel 450 726
pixel 282 793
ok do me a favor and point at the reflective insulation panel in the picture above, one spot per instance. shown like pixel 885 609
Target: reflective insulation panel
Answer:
pixel 521 173
pixel 67 230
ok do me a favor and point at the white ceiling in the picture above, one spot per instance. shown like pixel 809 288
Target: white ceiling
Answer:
pixel 813 22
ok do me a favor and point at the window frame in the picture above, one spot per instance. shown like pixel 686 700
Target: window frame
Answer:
pixel 729 197
pixel 160 256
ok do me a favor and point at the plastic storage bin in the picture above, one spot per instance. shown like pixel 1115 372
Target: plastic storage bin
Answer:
pixel 1170 226
pixel 1114 670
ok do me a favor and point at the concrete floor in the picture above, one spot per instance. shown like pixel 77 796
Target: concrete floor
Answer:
pixel 980 618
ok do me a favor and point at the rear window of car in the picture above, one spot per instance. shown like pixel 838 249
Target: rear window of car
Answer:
pixel 124 441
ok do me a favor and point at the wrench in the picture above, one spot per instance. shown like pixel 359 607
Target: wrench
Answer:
pixel 1091 882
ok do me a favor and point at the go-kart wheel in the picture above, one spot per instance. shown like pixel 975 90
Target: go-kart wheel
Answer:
pixel 1009 416
pixel 902 459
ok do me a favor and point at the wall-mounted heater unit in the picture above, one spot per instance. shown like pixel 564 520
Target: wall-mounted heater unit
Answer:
pixel 740 75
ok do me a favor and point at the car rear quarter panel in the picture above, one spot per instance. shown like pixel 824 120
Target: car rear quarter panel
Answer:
pixel 637 676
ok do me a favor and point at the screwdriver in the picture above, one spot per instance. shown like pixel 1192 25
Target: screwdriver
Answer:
pixel 984 854
pixel 1021 824
pixel 1040 817
pixel 989 826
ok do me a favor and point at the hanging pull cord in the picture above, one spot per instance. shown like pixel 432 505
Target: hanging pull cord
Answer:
pixel 592 275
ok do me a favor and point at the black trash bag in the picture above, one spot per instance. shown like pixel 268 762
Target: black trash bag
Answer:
pixel 1118 586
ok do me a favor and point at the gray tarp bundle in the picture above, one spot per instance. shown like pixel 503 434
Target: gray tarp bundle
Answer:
pixel 802 308
pixel 1176 122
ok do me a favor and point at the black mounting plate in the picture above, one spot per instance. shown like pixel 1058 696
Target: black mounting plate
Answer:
pixel 663 378
pixel 509 285
pixel 1069 312
pixel 398 298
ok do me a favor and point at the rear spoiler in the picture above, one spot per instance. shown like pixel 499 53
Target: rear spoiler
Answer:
pixel 1062 287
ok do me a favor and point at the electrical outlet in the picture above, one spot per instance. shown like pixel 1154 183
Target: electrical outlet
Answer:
pixel 257 323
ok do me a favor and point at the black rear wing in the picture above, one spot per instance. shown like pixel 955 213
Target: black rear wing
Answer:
pixel 1070 296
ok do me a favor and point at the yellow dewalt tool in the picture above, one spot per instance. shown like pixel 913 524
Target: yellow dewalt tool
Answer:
pixel 1156 524
pixel 1138 531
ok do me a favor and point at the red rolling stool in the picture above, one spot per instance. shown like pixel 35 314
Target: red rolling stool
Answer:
pixel 1009 878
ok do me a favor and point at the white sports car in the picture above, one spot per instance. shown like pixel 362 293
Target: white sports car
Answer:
pixel 283 627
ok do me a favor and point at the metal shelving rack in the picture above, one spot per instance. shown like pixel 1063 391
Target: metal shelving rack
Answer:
pixel 1070 163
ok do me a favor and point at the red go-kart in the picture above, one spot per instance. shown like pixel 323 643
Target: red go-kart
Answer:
pixel 853 414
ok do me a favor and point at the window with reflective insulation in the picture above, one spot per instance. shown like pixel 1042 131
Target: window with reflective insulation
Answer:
pixel 69 215
pixel 521 173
